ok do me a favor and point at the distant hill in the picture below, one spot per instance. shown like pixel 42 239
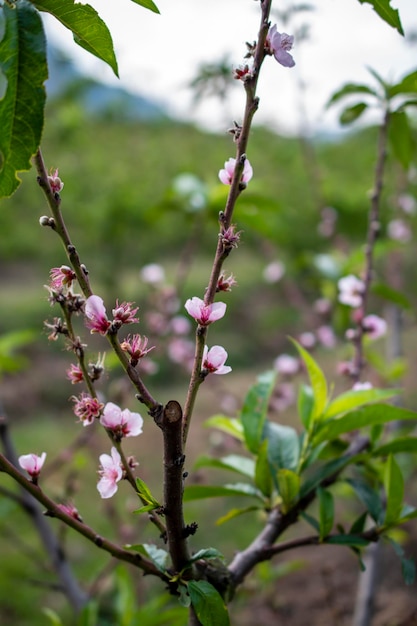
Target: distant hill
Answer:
pixel 66 80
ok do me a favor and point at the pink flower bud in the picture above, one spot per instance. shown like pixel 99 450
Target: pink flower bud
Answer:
pixel 32 463
pixel 55 182
pixel 95 312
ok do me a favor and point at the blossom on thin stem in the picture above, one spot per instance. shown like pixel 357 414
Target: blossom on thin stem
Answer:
pixel 32 463
pixel 226 284
pixel 214 361
pixel 75 374
pixel 55 182
pixel 121 423
pixel 124 313
pixel 71 510
pixel 279 45
pixel 203 313
pixel 87 408
pixel 226 175
pixel 136 347
pixel 61 277
pixel 110 472
pixel 351 291
pixel 96 314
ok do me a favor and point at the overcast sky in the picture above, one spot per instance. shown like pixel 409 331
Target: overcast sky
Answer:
pixel 158 54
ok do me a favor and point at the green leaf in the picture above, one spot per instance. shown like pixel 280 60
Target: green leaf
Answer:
pixel 288 487
pixel 54 618
pixel 326 512
pixel 317 381
pixel 351 113
pixel 402 444
pixel 145 495
pixel 23 67
pixel 387 13
pixel 394 488
pixel 370 498
pixel 89 614
pixel 206 553
pixel 125 601
pixel 208 603
pixel 310 520
pixel 354 399
pixel 158 556
pixel 305 405
pixel 366 416
pixel 255 408
pixel 392 295
pixel 263 478
pixel 407 565
pixel 407 85
pixel 348 90
pixel 89 30
pixel 199 492
pixel 235 513
pixel 233 462
pixel 324 472
pixel 401 138
pixel 229 425
pixel 148 4
pixel 283 446
pixel 358 525
pixel 347 540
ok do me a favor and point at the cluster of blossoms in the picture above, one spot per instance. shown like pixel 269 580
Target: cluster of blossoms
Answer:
pixel 96 314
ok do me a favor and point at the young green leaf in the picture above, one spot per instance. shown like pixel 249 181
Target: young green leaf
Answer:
pixel 208 604
pixel 351 113
pixel 407 85
pixel 233 462
pixel 158 556
pixel 23 68
pixel 350 89
pixel 394 488
pixel 401 138
pixel 125 601
pixel 263 478
pixel 366 416
pixel 402 444
pixel 235 513
pixel 87 27
pixel 370 498
pixel 283 446
pixel 147 498
pixel 206 553
pixel 199 492
pixel 288 487
pixel 354 399
pixel 387 13
pixel 325 471
pixel 317 380
pixel 326 512
pixel 305 405
pixel 255 408
pixel 347 540
pixel 407 565
pixel 229 425
pixel 148 4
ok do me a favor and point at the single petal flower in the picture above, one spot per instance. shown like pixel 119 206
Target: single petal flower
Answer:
pixel 95 312
pixel 203 313
pixel 111 472
pixel 374 326
pixel 351 289
pixel 279 44
pixel 226 174
pixel 122 423
pixel 87 408
pixel 32 463
pixel 214 360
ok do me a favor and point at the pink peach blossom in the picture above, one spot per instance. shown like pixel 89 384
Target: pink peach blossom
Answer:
pixel 95 312
pixel 279 44
pixel 111 472
pixel 374 326
pixel 351 289
pixel 87 408
pixel 122 423
pixel 203 313
pixel 226 175
pixel 32 463
pixel 214 360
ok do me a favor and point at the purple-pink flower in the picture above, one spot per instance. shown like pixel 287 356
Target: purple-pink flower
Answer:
pixel 110 472
pixel 214 360
pixel 87 408
pixel 279 44
pixel 32 463
pixel 122 423
pixel 61 277
pixel 96 314
pixel 203 313
pixel 226 174
pixel 125 313
pixel 374 326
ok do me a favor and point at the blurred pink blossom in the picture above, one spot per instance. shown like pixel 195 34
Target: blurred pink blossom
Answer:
pixel 203 313
pixel 287 365
pixel 307 340
pixel 111 472
pixel 398 230
pixel 226 174
pixel 362 386
pixel 180 325
pixel 95 312
pixel 152 274
pixel 407 203
pixel 283 397
pixel 274 271
pixel 214 360
pixel 325 335
pixel 279 44
pixel 374 326
pixel 351 289
pixel 32 463
pixel 122 423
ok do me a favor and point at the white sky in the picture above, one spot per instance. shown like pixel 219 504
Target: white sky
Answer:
pixel 158 54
